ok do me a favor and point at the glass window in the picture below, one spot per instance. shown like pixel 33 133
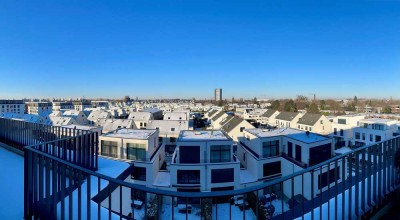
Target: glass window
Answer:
pixel 363 136
pixel 378 138
pixel 270 148
pixel 222 175
pixel 371 137
pixel 358 135
pixel 189 154
pixel 109 148
pixel 188 176
pixel 335 131
pixel 220 153
pixel 290 149
pixel 341 132
pixel 136 151
pixel 139 173
pixel 270 169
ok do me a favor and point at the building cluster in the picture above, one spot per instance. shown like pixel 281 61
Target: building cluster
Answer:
pixel 232 150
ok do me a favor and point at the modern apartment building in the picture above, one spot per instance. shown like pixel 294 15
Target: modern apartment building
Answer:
pixel 57 106
pixel 373 130
pixel 40 108
pixel 204 161
pixel 137 146
pixel 269 154
pixel 342 129
pixel 12 106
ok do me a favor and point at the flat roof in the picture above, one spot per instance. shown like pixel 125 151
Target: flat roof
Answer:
pixel 288 132
pixel 376 120
pixel 130 133
pixel 81 127
pixel 203 135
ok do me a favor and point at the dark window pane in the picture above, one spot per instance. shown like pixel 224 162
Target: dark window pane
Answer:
pixel 272 168
pixel 222 175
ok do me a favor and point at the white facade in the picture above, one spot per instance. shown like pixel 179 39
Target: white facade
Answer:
pixel 204 160
pixel 373 130
pixel 342 129
pixel 269 154
pixel 40 108
pixel 12 106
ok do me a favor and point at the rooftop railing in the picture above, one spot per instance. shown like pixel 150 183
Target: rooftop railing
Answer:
pixel 77 146
pixel 347 186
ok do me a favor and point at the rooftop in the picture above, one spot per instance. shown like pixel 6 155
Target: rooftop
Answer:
pixel 377 120
pixel 130 133
pixel 203 135
pixel 288 132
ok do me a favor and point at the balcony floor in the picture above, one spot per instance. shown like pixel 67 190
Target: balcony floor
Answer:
pixel 11 185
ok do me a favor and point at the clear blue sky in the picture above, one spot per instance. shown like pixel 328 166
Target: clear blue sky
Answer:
pixel 187 48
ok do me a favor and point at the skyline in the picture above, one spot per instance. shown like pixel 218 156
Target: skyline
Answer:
pixel 264 49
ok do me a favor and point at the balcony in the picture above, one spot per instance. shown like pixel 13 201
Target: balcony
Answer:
pixel 365 188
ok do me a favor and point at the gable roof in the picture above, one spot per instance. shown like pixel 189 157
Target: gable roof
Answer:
pixel 231 124
pixel 309 119
pixel 218 115
pixel 212 112
pixel 269 113
pixel 287 116
pixel 225 120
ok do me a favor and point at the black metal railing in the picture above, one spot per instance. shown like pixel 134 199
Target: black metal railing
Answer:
pixel 77 146
pixel 343 187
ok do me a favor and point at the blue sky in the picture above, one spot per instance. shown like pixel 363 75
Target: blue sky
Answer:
pixel 186 49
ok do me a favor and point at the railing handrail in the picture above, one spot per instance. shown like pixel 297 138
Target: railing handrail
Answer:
pixel 203 194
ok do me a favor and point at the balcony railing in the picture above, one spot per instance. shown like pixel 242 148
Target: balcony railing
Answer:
pixel 73 145
pixel 56 188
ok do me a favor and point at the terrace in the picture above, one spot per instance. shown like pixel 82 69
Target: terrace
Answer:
pixel 72 187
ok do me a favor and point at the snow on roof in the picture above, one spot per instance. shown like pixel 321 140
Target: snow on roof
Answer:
pixel 131 133
pixel 376 120
pixel 288 132
pixel 81 127
pixel 343 150
pixel 204 135
pixel 162 179
pixel 246 177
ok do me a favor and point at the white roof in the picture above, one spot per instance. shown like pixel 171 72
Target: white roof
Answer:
pixel 288 132
pixel 343 150
pixel 377 120
pixel 203 135
pixel 130 133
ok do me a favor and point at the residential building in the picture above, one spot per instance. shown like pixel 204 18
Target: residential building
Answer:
pixel 373 130
pixel 316 123
pixel 287 119
pixel 204 161
pixel 235 127
pixel 12 106
pixel 109 125
pixel 81 105
pixel 342 129
pixel 269 154
pixel 79 116
pixel 138 146
pixel 101 104
pixel 169 131
pixel 95 116
pixel 57 106
pixel 40 108
pixel 268 117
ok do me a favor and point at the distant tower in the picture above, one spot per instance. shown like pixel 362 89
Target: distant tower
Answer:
pixel 218 94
